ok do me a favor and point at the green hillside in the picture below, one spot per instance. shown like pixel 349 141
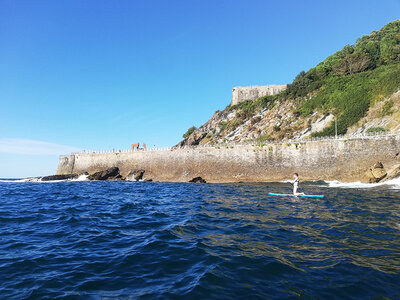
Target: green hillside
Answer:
pixel 346 83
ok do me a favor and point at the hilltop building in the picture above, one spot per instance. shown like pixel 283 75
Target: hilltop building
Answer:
pixel 243 93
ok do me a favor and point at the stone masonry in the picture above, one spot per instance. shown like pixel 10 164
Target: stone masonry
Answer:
pixel 344 160
pixel 243 93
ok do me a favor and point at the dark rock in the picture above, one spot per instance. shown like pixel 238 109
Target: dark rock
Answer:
pixel 195 138
pixel 59 177
pixel 198 180
pixel 118 177
pixel 136 174
pixel 192 140
pixel 109 174
pixel 148 180
pixel 180 144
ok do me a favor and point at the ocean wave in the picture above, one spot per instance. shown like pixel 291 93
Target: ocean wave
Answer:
pixel 14 180
pixel 82 177
pixel 392 184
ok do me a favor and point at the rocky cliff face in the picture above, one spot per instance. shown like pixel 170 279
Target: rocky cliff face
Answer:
pixel 281 120
pixel 277 121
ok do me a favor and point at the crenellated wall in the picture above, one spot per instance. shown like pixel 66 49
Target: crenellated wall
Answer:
pixel 345 160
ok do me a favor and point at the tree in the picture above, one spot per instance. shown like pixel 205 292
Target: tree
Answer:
pixel 387 46
pixel 352 63
pixel 372 49
pixel 189 132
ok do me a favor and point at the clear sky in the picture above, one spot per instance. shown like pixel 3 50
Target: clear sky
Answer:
pixel 105 74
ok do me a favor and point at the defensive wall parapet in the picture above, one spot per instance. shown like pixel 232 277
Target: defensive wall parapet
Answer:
pixel 330 159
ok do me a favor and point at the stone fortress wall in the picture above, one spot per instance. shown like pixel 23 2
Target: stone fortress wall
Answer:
pixel 340 159
pixel 243 93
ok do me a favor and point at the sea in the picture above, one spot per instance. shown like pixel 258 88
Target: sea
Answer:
pixel 149 240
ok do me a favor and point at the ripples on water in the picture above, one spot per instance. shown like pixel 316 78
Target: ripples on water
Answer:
pixel 164 240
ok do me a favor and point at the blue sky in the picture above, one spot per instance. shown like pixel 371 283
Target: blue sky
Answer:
pixel 105 74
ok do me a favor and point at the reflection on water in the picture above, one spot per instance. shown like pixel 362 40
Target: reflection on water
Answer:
pixel 358 227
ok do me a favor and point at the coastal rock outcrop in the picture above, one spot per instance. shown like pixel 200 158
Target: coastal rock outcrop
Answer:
pixel 394 172
pixel 136 175
pixel 198 180
pixel 59 177
pixel 109 174
pixel 376 173
pixel 194 139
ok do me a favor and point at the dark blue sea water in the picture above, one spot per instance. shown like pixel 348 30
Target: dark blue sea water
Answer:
pixel 129 240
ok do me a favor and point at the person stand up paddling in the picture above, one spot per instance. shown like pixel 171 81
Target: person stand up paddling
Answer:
pixel 296 184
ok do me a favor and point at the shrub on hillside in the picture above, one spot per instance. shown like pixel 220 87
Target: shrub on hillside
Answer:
pixel 189 132
pixel 387 108
pixel 376 129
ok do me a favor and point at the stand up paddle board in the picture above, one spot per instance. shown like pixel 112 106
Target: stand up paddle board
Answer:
pixel 291 195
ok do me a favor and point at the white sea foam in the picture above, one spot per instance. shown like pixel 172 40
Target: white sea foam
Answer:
pixel 82 177
pixel 392 183
pixel 21 180
pixel 32 179
pixel 12 180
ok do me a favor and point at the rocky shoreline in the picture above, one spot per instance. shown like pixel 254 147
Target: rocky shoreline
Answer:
pixel 376 173
pixel 110 174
